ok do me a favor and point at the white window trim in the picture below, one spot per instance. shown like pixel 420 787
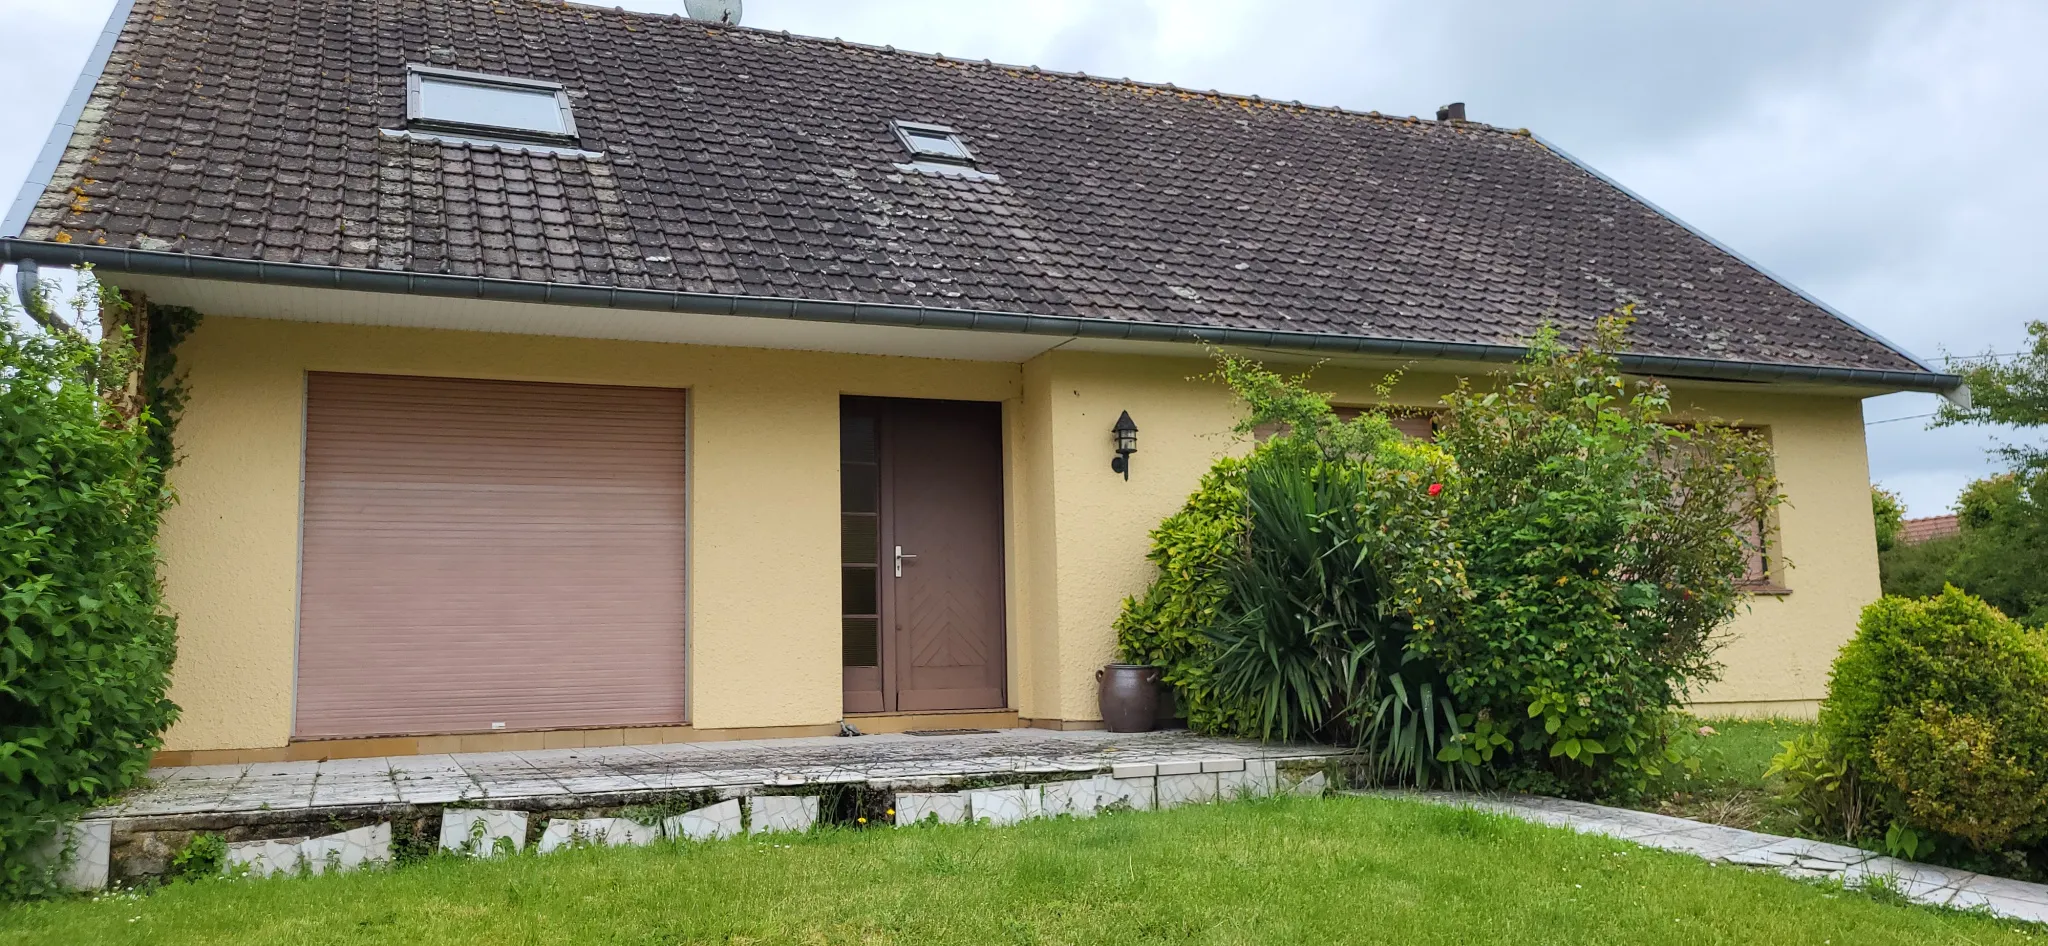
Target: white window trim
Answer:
pixel 415 119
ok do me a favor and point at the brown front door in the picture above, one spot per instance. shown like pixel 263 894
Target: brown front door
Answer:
pixel 922 559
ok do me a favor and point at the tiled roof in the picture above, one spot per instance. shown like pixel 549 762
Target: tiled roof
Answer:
pixel 1916 531
pixel 745 162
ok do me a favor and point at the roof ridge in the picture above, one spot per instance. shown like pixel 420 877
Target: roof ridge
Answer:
pixel 714 29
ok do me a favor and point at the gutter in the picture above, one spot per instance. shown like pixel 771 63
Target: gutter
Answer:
pixel 45 168
pixel 302 275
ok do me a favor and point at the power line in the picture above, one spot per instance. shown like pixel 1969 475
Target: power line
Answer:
pixel 1894 420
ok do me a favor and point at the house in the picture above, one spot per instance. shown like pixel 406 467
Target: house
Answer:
pixel 572 376
pixel 1926 528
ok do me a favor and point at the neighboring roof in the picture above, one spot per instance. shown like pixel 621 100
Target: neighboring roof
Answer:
pixel 1916 531
pixel 746 163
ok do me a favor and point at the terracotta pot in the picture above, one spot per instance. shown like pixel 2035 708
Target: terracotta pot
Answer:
pixel 1129 695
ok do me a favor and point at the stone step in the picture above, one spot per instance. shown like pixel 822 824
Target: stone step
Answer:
pixel 265 841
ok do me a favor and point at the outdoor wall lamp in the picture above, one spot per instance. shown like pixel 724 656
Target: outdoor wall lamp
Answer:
pixel 1126 444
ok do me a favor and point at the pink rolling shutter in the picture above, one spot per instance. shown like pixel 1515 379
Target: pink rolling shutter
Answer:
pixel 484 552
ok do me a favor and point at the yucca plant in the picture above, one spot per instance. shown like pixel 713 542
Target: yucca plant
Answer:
pixel 1314 642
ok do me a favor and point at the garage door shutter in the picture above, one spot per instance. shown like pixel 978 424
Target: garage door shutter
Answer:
pixel 484 552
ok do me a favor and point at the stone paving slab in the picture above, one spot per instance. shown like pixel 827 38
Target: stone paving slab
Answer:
pixel 1795 857
pixel 736 767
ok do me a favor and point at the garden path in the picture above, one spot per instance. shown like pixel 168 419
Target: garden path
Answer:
pixel 1796 857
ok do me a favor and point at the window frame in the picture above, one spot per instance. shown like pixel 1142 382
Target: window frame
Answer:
pixel 919 152
pixel 1769 578
pixel 417 75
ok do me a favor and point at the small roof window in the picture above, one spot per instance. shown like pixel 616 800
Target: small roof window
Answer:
pixel 934 143
pixel 488 106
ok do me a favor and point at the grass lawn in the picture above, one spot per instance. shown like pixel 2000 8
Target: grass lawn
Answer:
pixel 1731 788
pixel 1340 870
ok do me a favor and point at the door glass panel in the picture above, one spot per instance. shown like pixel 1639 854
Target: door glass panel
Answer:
pixel 857 590
pixel 857 482
pixel 858 543
pixel 859 642
pixel 857 439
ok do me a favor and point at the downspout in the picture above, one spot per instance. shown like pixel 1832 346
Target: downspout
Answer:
pixel 25 283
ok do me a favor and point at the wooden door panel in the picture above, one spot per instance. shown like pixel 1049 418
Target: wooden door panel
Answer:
pixel 943 467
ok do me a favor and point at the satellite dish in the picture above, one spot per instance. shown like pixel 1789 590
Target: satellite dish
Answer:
pixel 714 11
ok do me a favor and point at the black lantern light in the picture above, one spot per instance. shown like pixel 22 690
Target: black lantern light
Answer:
pixel 1126 444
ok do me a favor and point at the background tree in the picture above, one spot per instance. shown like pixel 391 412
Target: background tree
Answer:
pixel 2001 553
pixel 2008 392
pixel 1889 514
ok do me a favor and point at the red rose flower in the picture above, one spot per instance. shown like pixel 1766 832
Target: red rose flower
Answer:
pixel 1435 488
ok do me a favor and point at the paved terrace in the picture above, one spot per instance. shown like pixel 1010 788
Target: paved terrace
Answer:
pixel 567 778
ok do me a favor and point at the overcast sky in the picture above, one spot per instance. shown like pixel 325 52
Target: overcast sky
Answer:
pixel 1884 156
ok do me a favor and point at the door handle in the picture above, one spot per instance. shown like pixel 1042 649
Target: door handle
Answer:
pixel 899 560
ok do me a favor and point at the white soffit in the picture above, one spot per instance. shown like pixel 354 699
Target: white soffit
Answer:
pixel 346 307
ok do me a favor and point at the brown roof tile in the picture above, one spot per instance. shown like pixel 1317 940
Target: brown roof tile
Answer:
pixel 747 162
pixel 1916 531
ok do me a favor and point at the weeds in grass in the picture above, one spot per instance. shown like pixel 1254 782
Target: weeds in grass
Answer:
pixel 1883 888
pixel 206 855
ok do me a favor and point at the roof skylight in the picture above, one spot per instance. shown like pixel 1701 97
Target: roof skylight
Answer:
pixel 934 143
pixel 488 106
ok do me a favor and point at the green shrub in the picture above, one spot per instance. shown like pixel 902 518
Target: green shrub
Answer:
pixel 1942 705
pixel 1958 775
pixel 1538 592
pixel 84 642
pixel 1168 626
pixel 1604 547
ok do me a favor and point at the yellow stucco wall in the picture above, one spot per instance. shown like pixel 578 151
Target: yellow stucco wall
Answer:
pixel 763 610
pixel 1778 652
pixel 764 638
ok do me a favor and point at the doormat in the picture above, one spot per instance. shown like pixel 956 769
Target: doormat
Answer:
pixel 949 732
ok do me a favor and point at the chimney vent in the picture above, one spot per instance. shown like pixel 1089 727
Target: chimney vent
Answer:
pixel 1454 112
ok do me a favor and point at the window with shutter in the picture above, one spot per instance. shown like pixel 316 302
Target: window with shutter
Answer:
pixel 1416 423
